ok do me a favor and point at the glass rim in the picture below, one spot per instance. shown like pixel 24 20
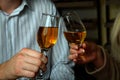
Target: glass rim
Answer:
pixel 50 15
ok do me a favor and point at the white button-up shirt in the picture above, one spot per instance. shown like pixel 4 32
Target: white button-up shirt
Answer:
pixel 18 30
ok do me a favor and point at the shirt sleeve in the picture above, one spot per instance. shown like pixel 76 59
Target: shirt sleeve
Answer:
pixel 109 71
pixel 62 71
pixel 99 69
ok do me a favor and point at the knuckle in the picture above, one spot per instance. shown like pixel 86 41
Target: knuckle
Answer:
pixel 29 74
pixel 17 71
pixel 20 56
pixel 40 56
pixel 35 69
pixel 24 49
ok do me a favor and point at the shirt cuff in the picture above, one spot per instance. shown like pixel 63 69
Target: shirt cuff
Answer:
pixel 102 67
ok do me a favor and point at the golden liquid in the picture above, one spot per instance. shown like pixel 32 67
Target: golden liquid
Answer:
pixel 47 37
pixel 75 37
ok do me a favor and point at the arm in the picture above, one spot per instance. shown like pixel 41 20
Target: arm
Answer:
pixel 110 70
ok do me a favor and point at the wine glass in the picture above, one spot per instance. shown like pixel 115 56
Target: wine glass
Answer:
pixel 75 31
pixel 47 35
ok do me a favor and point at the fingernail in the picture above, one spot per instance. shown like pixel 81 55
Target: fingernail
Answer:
pixel 76 55
pixel 83 51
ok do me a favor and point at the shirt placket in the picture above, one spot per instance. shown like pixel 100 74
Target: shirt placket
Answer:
pixel 8 38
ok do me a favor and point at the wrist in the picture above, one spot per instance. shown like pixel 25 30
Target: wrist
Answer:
pixel 97 64
pixel 99 61
pixel 1 72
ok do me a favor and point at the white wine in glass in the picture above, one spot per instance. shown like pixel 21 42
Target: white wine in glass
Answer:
pixel 47 35
pixel 75 31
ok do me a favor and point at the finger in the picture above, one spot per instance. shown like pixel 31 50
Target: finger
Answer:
pixel 73 46
pixel 32 60
pixel 44 59
pixel 30 67
pixel 30 52
pixel 73 56
pixel 26 73
pixel 73 51
pixel 43 67
pixel 34 68
pixel 81 52
pixel 35 54
pixel 37 62
pixel 75 60
pixel 84 44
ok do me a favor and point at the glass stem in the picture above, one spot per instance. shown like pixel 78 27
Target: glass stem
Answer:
pixel 44 51
pixel 79 46
pixel 40 73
